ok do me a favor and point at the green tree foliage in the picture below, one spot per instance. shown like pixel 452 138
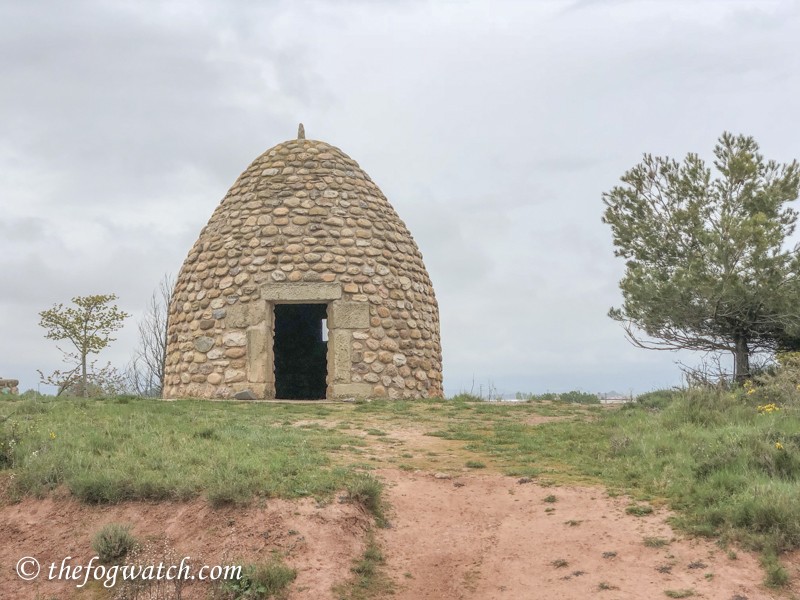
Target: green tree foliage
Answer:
pixel 88 326
pixel 707 267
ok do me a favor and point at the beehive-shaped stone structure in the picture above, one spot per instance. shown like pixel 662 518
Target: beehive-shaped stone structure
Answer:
pixel 304 283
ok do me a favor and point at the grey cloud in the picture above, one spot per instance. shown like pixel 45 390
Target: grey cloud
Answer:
pixel 492 127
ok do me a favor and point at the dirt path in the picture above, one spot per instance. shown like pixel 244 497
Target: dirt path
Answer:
pixel 488 536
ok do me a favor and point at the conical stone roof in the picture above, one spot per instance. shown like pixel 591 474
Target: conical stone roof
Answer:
pixel 304 213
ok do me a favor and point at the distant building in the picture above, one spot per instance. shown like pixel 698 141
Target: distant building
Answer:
pixel 614 398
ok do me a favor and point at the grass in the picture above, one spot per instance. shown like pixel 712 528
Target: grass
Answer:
pixel 776 574
pixel 367 491
pixel 679 593
pixel 639 510
pixel 258 581
pixel 655 542
pixel 369 579
pixel 106 452
pixel 604 586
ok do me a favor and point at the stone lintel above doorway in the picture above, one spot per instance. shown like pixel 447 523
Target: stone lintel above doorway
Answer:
pixel 301 293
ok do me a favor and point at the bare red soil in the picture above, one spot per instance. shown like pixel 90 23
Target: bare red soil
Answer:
pixel 321 542
pixel 489 537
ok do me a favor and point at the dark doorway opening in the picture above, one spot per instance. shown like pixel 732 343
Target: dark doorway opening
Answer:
pixel 301 351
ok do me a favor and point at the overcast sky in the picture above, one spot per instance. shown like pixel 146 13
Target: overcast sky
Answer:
pixel 493 127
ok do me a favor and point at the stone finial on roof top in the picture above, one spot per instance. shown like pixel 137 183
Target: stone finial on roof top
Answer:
pixel 301 132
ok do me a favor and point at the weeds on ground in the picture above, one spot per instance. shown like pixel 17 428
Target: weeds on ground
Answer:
pixel 367 491
pixel 113 542
pixel 777 575
pixel 604 585
pixel 258 581
pixel 475 464
pixel 369 580
pixel 639 510
pixel 142 585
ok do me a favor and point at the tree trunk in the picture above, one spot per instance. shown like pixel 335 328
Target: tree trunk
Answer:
pixel 162 350
pixel 84 387
pixel 741 356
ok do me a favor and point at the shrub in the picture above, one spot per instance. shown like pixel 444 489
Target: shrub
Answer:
pixel 11 434
pixel 576 397
pixel 466 397
pixel 113 542
pixel 776 574
pixel 778 386
pixel 549 396
pixel 259 581
pixel 658 399
pixel 709 409
pixel 573 397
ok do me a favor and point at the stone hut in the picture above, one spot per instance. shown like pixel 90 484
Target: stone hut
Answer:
pixel 304 284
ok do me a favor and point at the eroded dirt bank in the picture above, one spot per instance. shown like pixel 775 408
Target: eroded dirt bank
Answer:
pixel 320 541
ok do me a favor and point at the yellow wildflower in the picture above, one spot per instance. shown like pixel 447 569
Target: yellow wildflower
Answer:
pixel 779 446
